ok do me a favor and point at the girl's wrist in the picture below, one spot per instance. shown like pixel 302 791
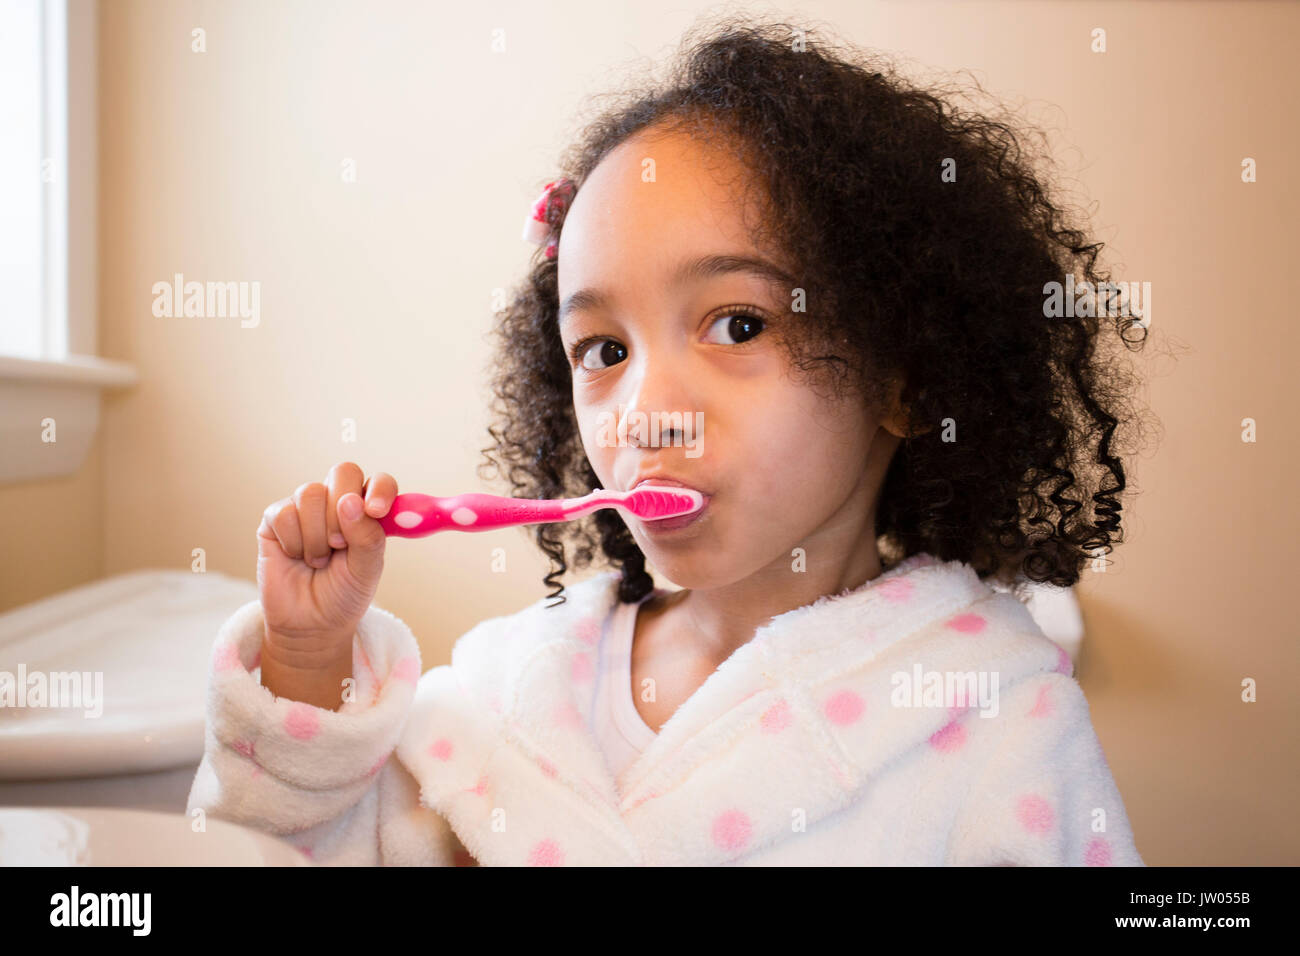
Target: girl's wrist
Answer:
pixel 312 677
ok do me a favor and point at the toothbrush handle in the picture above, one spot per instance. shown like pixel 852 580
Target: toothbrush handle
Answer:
pixel 416 515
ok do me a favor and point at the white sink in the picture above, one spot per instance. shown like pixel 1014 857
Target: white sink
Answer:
pixel 150 634
pixel 99 836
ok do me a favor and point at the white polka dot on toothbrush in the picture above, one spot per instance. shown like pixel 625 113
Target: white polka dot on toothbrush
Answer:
pixel 464 516
pixel 408 519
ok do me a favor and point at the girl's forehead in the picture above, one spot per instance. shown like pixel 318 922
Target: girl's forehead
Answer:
pixel 669 173
pixel 648 201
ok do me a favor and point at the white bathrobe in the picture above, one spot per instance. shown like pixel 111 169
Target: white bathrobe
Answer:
pixel 824 740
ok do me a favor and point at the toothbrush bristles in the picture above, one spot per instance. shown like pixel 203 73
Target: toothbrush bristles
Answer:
pixel 662 501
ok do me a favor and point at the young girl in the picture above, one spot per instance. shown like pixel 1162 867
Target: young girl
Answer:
pixel 844 282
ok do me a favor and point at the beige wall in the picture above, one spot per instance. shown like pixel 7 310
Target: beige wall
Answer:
pixel 376 303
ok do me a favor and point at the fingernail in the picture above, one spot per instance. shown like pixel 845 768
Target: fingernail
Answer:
pixel 337 540
pixel 351 507
pixel 377 504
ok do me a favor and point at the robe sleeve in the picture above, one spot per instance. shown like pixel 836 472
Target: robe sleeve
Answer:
pixel 1045 795
pixel 325 781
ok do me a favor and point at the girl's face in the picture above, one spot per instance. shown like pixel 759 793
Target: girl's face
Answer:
pixel 661 334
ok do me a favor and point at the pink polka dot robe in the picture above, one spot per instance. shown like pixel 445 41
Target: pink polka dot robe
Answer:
pixel 921 719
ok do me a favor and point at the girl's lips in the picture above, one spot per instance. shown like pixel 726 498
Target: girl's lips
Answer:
pixel 669 482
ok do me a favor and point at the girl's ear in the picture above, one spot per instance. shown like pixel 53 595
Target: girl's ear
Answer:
pixel 895 419
pixel 896 425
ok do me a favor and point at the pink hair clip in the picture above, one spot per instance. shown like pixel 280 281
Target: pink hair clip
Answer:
pixel 536 228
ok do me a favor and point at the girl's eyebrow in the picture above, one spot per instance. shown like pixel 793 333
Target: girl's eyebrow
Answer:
pixel 704 267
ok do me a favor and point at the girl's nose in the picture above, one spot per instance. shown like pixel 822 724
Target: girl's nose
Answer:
pixel 659 403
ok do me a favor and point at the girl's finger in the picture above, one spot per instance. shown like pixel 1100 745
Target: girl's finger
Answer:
pixel 282 519
pixel 311 499
pixel 344 478
pixel 380 493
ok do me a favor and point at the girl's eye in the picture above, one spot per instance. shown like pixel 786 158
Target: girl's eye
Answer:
pixel 740 325
pixel 609 351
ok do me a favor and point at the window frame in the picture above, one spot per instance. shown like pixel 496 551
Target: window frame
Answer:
pixel 65 381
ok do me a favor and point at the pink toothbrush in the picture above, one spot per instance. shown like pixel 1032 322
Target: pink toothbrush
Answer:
pixel 414 516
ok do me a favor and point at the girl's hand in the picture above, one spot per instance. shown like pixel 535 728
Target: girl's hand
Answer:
pixel 318 568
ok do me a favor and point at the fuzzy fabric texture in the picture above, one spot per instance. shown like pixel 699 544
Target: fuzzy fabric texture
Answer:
pixel 824 740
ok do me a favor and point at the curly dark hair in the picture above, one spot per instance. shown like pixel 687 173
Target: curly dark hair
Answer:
pixel 934 288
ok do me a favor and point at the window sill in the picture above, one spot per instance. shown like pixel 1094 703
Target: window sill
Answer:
pixel 49 412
